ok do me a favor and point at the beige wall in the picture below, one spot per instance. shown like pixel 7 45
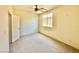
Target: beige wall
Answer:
pixel 66 25
pixel 28 21
pixel 4 37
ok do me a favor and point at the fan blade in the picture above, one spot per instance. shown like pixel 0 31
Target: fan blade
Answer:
pixel 43 8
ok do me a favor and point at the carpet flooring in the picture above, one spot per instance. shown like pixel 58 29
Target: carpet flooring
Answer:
pixel 38 43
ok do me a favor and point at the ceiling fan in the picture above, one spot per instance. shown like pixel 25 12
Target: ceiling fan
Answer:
pixel 40 10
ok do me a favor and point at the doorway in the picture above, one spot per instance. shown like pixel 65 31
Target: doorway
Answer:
pixel 14 29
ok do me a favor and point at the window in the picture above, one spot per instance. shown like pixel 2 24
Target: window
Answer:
pixel 47 19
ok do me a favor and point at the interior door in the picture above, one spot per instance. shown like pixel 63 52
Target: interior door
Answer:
pixel 15 28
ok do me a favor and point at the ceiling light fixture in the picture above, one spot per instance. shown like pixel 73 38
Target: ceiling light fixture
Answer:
pixel 39 10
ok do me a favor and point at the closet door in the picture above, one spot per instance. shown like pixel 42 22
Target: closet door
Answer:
pixel 15 28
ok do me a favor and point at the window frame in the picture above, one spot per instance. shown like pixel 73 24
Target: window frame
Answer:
pixel 47 19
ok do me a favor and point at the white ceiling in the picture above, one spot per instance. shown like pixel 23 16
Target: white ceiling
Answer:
pixel 30 8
